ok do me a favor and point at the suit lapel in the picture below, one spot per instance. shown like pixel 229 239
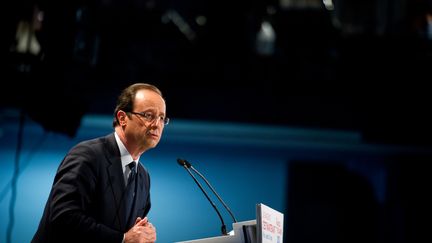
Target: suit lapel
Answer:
pixel 117 183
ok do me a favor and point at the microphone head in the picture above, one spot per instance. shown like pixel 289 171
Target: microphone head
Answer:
pixel 183 162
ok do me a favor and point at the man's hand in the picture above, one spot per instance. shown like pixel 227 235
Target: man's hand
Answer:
pixel 142 232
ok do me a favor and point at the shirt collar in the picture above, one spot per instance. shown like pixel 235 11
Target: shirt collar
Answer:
pixel 125 156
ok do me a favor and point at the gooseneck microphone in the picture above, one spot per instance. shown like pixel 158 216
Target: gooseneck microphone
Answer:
pixel 187 165
pixel 213 190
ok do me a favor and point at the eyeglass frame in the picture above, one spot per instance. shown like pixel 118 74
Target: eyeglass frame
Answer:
pixel 151 117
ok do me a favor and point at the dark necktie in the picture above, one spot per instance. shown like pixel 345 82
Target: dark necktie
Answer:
pixel 132 173
pixel 130 190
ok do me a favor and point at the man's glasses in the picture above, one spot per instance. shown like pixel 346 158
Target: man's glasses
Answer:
pixel 151 117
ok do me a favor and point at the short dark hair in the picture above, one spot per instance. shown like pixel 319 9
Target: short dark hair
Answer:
pixel 125 101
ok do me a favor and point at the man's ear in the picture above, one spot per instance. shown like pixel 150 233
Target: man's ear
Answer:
pixel 121 117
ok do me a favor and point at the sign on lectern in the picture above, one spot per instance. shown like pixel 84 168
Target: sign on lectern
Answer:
pixel 269 225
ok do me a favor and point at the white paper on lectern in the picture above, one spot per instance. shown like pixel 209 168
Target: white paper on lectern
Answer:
pixel 269 224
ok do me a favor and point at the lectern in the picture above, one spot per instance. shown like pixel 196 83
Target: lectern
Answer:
pixel 237 236
pixel 267 228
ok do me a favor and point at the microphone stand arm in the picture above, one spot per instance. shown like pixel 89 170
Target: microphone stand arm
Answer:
pixel 223 227
pixel 217 195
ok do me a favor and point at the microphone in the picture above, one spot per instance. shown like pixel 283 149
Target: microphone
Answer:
pixel 187 165
pixel 183 162
pixel 213 190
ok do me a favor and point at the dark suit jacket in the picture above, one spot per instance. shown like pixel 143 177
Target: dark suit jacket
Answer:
pixel 86 202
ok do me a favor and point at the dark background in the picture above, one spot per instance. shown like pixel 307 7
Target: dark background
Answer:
pixel 362 66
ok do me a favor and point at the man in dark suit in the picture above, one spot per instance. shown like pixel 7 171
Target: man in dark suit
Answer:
pixel 101 192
